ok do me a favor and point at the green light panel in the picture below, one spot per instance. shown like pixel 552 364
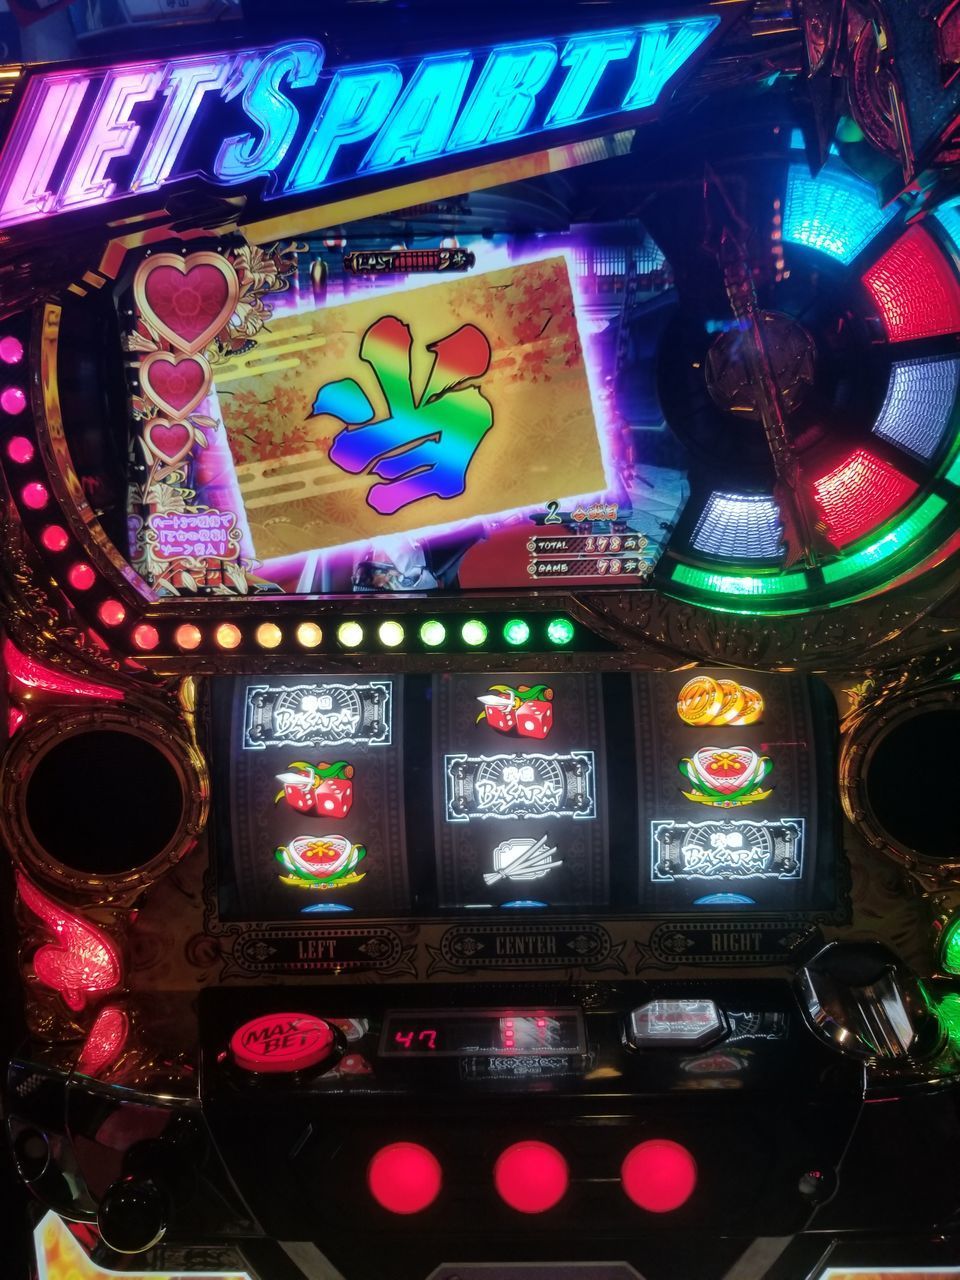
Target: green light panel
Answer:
pixel 950 947
pixel 889 544
pixel 740 584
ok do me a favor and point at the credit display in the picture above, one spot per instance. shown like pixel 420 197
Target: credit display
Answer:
pixel 464 1032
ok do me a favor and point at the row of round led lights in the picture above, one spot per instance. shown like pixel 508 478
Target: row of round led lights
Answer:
pixel 658 1175
pixel 353 635
pixel 350 635
pixel 34 495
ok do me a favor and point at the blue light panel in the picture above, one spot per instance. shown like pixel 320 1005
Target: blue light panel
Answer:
pixel 948 215
pixel 918 404
pixel 834 212
pixel 739 526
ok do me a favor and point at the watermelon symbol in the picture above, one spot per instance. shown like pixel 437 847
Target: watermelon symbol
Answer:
pixel 725 776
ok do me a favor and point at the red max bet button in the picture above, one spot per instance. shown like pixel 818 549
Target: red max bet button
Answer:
pixel 282 1042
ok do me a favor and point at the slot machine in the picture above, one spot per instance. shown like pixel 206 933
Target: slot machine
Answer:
pixel 481 502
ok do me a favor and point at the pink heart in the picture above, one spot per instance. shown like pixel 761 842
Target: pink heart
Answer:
pixel 176 384
pixel 186 300
pixel 170 441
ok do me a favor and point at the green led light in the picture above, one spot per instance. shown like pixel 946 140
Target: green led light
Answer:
pixel 889 544
pixel 950 946
pixel 350 635
pixel 730 584
pixel 516 631
pixel 948 1011
pixel 474 632
pixel 953 475
pixel 560 630
pixel 390 634
pixel 433 633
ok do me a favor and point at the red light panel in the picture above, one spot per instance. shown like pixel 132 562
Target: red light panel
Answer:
pixel 531 1177
pixel 82 961
pixel 659 1175
pixel 106 1041
pixel 404 1177
pixel 915 288
pixel 860 494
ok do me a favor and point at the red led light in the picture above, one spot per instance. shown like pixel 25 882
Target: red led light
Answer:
pixel 19 449
pixel 81 577
pixel 915 288
pixel 659 1175
pixel 531 1177
pixel 106 1041
pixel 12 400
pixel 82 961
pixel 33 675
pixel 859 495
pixel 404 1177
pixel 55 538
pixel 282 1043
pixel 11 349
pixel 188 636
pixel 112 613
pixel 145 636
pixel 34 495
pixel 15 718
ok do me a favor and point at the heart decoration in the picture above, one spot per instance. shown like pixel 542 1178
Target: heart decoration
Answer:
pixel 186 300
pixel 169 441
pixel 176 384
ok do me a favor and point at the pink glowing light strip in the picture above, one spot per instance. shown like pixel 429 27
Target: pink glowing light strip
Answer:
pixel 33 675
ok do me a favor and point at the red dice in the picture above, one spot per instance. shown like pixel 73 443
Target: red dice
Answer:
pixel 534 718
pixel 333 797
pixel 500 718
pixel 299 797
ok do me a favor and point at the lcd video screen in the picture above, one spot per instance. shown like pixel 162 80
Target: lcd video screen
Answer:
pixel 342 414
pixel 658 793
pixel 313 800
pixel 520 794
pixel 730 769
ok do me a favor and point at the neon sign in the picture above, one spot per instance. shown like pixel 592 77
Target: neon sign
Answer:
pixel 277 114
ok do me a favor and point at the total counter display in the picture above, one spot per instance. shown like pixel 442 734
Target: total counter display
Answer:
pixel 479 601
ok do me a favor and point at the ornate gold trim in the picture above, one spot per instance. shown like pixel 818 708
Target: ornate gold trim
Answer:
pixel 866 734
pixel 30 745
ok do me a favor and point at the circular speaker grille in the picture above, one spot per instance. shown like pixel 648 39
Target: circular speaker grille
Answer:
pixel 104 801
pixel 906 787
pixel 105 797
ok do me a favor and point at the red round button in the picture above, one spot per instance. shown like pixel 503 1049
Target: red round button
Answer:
pixel 282 1042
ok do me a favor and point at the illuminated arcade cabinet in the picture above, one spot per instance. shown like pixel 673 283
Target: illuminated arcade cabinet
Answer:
pixel 480 595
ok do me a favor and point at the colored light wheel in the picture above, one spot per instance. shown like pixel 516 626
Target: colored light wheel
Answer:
pixel 820 420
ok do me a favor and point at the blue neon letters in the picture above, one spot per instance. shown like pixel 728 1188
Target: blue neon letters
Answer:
pixel 278 113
